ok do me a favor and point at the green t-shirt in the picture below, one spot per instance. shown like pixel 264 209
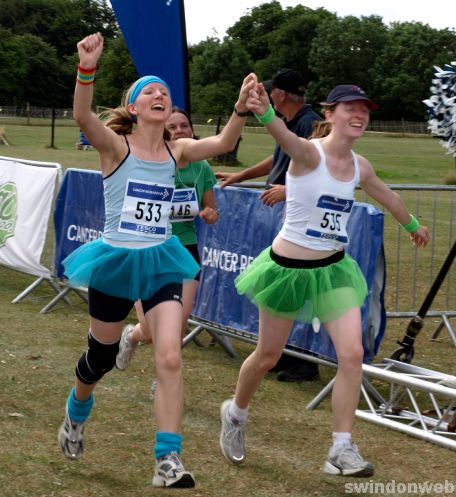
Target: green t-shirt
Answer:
pixel 197 175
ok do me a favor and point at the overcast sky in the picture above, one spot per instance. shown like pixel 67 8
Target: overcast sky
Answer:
pixel 206 18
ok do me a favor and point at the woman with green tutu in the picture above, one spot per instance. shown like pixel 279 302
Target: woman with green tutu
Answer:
pixel 137 258
pixel 306 274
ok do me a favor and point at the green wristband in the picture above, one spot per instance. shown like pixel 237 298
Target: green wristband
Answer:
pixel 267 117
pixel 413 224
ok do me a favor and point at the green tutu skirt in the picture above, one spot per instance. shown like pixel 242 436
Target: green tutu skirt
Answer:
pixel 295 289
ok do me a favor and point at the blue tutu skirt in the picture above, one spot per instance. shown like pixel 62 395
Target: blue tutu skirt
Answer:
pixel 131 273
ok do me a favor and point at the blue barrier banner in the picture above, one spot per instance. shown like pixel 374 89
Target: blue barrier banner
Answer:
pixel 156 37
pixel 78 213
pixel 245 228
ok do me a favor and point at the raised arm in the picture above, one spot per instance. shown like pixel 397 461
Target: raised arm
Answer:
pixel 102 138
pixel 301 152
pixel 193 150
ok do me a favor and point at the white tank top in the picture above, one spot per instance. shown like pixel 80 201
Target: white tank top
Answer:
pixel 318 207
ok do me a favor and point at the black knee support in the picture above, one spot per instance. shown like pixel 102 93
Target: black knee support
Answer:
pixel 96 361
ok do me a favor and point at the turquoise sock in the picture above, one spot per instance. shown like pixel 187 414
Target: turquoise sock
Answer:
pixel 79 410
pixel 166 442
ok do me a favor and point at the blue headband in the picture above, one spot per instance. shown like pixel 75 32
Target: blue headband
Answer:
pixel 141 83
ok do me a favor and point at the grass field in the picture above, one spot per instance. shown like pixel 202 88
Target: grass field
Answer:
pixel 287 444
pixel 417 160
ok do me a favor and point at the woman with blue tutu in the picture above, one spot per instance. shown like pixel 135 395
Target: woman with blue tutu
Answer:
pixel 306 274
pixel 137 258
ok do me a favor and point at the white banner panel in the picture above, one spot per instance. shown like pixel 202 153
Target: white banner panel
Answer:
pixel 26 193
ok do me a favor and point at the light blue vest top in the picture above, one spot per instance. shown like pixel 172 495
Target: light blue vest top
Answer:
pixel 115 185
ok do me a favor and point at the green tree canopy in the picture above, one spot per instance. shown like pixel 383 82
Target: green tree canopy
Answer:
pixel 344 51
pixel 60 23
pixel 392 63
pixel 402 74
pixel 291 42
pixel 111 83
pixel 216 74
pixel 13 67
pixel 22 78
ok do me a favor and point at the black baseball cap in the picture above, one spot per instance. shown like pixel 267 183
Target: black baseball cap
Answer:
pixel 287 80
pixel 348 93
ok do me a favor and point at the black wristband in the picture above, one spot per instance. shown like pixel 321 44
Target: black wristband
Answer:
pixel 240 114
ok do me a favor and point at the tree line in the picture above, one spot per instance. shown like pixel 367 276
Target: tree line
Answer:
pixel 393 63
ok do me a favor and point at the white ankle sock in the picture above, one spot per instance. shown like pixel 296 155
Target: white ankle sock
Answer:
pixel 238 414
pixel 341 438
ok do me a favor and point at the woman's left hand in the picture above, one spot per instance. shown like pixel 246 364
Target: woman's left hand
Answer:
pixel 209 215
pixel 248 84
pixel 420 237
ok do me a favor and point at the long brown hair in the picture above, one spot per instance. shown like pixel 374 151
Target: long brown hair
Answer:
pixel 323 128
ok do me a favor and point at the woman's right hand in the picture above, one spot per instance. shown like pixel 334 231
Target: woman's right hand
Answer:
pixel 227 178
pixel 247 85
pixel 89 50
pixel 258 100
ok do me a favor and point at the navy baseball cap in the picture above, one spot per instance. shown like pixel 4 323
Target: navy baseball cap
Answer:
pixel 348 93
pixel 287 80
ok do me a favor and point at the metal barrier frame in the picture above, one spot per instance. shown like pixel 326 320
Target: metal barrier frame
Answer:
pixel 394 257
pixel 401 380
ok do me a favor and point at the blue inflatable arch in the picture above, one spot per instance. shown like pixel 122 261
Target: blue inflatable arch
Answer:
pixel 155 33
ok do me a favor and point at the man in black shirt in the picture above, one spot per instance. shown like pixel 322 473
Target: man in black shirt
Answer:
pixel 286 90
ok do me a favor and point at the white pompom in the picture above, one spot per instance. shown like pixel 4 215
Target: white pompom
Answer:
pixel 442 106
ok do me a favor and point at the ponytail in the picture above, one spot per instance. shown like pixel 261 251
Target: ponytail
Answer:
pixel 321 129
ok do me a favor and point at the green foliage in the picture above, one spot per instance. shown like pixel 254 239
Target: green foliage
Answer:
pixel 290 44
pixel 403 72
pixel 60 23
pixel 344 51
pixel 392 63
pixel 215 76
pixel 255 29
pixel 38 44
pixel 13 67
pixel 112 83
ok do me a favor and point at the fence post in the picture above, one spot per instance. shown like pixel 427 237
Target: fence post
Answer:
pixel 52 128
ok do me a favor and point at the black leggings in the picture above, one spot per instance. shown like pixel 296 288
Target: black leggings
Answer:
pixel 114 309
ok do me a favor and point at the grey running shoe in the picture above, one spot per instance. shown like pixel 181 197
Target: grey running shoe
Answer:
pixel 347 461
pixel 126 349
pixel 70 438
pixel 169 472
pixel 232 436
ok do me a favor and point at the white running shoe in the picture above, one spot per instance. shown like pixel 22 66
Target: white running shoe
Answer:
pixel 232 436
pixel 126 349
pixel 169 472
pixel 70 437
pixel 346 460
